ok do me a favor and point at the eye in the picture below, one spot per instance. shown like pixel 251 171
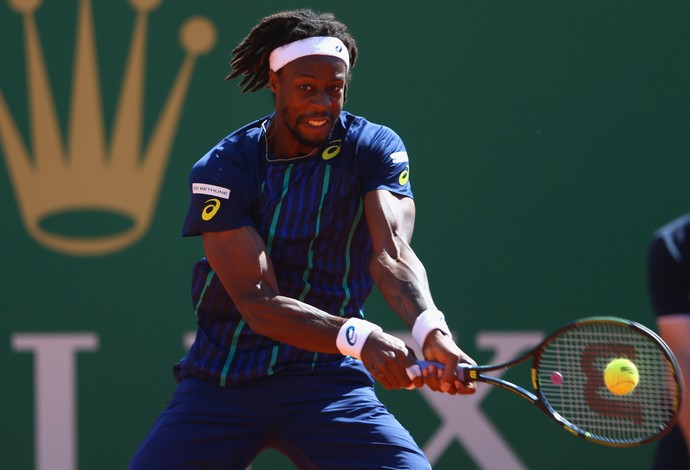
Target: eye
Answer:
pixel 305 87
pixel 336 88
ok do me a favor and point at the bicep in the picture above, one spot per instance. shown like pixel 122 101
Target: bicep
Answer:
pixel 240 259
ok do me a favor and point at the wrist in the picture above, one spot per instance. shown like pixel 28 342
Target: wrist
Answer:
pixel 352 336
pixel 427 322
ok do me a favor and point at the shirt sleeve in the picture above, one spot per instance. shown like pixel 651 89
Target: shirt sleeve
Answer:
pixel 385 162
pixel 220 195
pixel 668 287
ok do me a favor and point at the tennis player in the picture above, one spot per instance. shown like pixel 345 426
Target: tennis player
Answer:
pixel 669 288
pixel 301 212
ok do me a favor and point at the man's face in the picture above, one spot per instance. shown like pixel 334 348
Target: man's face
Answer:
pixel 309 95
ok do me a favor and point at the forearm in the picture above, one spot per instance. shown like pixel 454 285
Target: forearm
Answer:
pixel 240 259
pixel 403 282
pixel 402 279
pixel 292 322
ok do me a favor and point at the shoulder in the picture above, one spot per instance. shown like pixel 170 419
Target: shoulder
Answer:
pixel 676 227
pixel 239 147
pixel 372 141
pixel 675 235
pixel 363 131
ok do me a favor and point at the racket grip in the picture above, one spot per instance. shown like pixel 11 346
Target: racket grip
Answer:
pixel 415 370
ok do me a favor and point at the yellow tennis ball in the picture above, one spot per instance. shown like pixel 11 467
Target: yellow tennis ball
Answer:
pixel 621 376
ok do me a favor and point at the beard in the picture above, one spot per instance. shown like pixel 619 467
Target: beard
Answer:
pixel 308 141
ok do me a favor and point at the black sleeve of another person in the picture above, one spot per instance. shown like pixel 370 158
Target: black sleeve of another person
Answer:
pixel 668 285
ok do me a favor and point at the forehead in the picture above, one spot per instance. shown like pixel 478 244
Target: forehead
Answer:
pixel 316 66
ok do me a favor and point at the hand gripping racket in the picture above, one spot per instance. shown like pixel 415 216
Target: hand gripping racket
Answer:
pixel 568 381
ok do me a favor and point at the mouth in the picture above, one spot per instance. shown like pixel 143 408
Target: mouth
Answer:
pixel 314 130
pixel 317 123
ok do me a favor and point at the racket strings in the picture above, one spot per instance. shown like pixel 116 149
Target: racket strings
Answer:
pixel 580 355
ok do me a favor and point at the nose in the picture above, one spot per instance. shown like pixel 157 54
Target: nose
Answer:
pixel 321 100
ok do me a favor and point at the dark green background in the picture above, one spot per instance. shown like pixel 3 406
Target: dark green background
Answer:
pixel 547 140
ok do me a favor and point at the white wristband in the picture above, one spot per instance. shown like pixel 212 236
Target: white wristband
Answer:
pixel 352 336
pixel 428 321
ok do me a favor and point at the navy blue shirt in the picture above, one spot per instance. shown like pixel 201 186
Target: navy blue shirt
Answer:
pixel 309 212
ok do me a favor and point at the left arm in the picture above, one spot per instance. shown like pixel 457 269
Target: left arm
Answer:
pixel 402 279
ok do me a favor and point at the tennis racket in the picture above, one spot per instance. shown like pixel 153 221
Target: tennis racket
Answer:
pixel 567 377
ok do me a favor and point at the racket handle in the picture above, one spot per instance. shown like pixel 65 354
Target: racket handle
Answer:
pixel 415 370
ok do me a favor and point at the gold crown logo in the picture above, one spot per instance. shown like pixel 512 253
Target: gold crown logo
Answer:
pixel 83 174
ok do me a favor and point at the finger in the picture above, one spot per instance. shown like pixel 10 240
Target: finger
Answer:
pixel 406 381
pixel 399 378
pixel 383 380
pixel 431 377
pixel 448 379
pixel 417 382
pixel 395 377
pixel 462 383
pixel 465 388
pixel 414 374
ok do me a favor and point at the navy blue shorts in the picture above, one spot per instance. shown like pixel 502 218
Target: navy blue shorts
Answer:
pixel 326 420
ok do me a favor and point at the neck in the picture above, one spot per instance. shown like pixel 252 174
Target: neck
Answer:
pixel 281 150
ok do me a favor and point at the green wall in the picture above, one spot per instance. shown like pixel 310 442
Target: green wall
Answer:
pixel 547 141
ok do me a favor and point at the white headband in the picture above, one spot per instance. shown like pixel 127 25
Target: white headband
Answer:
pixel 318 45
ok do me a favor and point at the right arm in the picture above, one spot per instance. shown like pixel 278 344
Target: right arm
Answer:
pixel 401 278
pixel 240 258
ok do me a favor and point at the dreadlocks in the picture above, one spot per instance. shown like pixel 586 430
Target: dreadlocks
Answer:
pixel 250 57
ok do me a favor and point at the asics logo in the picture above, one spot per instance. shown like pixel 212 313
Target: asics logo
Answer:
pixel 211 208
pixel 332 150
pixel 351 335
pixel 404 176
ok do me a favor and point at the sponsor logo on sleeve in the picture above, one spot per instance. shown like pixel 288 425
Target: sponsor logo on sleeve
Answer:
pixel 404 176
pixel 210 209
pixel 399 157
pixel 210 190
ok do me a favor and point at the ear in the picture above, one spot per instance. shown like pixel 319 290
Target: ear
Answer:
pixel 272 80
